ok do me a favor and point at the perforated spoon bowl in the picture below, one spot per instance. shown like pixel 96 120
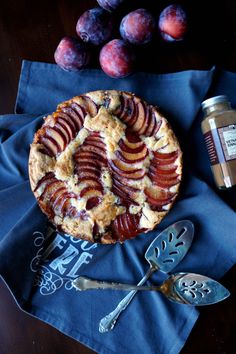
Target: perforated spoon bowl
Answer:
pixel 164 253
pixel 170 246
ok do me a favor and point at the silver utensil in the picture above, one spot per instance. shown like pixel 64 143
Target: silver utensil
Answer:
pixel 184 288
pixel 164 253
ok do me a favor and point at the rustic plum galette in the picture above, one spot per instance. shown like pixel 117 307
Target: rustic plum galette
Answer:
pixel 105 166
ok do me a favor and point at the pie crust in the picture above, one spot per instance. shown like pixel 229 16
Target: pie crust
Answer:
pixel 105 167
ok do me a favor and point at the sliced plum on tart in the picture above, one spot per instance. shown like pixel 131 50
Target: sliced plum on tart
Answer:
pixel 105 166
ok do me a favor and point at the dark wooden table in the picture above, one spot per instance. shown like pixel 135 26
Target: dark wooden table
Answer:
pixel 31 30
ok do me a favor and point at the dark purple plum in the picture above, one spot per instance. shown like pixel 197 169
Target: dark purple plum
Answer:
pixel 95 26
pixel 173 23
pixel 137 27
pixel 110 5
pixel 117 58
pixel 71 54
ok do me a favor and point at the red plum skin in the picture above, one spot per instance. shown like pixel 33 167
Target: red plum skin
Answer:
pixel 71 54
pixel 173 23
pixel 110 5
pixel 137 27
pixel 95 26
pixel 117 59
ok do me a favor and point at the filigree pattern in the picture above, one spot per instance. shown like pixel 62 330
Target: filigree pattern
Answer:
pixel 46 279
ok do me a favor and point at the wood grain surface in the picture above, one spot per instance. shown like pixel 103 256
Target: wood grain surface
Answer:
pixel 31 30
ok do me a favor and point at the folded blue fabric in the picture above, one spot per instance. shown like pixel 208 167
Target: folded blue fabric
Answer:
pixel 39 265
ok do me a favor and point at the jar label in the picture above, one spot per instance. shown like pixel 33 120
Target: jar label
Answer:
pixel 228 141
pixel 211 148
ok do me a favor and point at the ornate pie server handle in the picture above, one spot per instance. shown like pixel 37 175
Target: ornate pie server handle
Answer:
pixel 108 322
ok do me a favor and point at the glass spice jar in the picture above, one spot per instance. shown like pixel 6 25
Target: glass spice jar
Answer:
pixel 219 130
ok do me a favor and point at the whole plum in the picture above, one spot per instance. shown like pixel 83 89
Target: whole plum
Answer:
pixel 95 26
pixel 110 5
pixel 117 58
pixel 71 54
pixel 173 23
pixel 137 27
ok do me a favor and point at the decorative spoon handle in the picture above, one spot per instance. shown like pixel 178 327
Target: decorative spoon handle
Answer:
pixel 108 322
pixel 84 283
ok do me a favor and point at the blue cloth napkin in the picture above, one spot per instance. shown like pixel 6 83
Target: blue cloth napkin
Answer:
pixel 39 265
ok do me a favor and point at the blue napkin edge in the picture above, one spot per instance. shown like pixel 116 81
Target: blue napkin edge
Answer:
pixel 28 65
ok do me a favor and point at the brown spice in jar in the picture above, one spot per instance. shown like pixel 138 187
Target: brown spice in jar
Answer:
pixel 219 130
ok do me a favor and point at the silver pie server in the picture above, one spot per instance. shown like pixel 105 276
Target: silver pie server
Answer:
pixel 164 253
pixel 184 288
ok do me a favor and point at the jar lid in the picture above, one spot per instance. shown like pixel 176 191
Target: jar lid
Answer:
pixel 213 100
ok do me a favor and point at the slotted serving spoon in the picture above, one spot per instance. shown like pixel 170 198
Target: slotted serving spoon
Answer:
pixel 164 253
pixel 184 288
